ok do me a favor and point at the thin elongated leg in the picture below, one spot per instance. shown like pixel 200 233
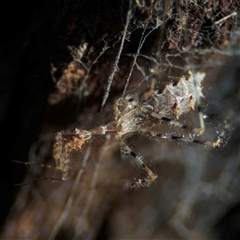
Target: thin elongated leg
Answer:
pixel 151 177
pixel 149 93
pixel 191 140
pixel 222 137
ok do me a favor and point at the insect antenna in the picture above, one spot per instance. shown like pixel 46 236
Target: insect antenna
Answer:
pixel 36 179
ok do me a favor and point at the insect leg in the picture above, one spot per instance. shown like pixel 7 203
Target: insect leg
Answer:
pixel 151 177
pixel 190 139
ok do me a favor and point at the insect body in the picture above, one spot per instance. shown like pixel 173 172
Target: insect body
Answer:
pixel 134 114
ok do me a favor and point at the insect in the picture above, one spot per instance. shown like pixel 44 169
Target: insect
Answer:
pixel 135 114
